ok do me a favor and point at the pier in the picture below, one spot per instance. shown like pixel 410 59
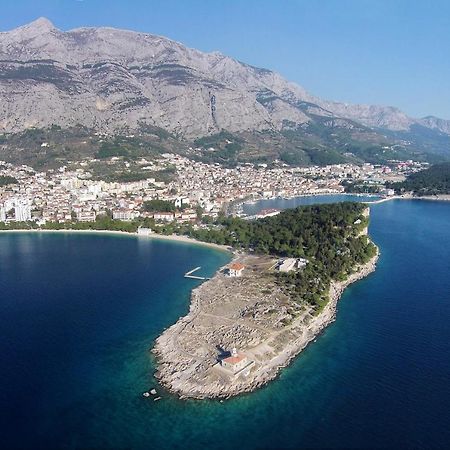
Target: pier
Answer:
pixel 194 277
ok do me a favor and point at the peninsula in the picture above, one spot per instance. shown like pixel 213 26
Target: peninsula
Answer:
pixel 279 292
pixel 432 183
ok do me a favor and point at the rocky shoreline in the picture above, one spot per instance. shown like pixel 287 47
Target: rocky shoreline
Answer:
pixel 186 352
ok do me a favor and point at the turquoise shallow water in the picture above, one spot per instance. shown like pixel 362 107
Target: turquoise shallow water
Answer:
pixel 78 314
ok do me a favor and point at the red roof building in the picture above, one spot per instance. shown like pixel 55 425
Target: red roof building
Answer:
pixel 235 270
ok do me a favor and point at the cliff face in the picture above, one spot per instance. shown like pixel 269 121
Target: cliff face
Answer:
pixel 109 79
pixel 105 78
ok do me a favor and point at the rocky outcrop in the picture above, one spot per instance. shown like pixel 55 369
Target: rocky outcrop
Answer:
pixel 247 313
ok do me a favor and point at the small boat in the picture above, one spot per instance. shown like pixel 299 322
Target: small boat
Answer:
pixel 146 394
pixel 156 399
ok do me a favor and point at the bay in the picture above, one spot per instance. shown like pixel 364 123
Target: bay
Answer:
pixel 285 203
pixel 78 314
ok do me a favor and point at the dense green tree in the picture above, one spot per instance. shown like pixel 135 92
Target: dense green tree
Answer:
pixel 159 206
pixel 432 181
pixel 6 180
pixel 329 236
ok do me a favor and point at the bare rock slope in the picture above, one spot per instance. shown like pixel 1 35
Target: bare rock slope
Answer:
pixel 250 313
pixel 109 79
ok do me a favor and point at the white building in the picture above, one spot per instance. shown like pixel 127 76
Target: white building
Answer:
pixel 235 270
pixel 95 188
pixel 123 214
pixel 86 216
pixel 2 214
pixel 181 201
pixel 301 262
pixel 289 264
pixel 236 362
pixel 22 211
pixel 164 216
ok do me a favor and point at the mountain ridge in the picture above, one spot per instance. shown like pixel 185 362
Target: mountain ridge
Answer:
pixel 111 80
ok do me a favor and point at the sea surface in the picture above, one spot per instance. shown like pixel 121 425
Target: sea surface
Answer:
pixel 284 203
pixel 78 314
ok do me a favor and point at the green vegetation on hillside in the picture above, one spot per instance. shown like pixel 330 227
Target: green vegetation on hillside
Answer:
pixel 353 187
pixel 223 148
pixel 432 181
pixel 77 143
pixel 159 206
pixel 320 141
pixel 6 180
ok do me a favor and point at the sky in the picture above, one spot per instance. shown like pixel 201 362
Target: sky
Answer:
pixel 384 52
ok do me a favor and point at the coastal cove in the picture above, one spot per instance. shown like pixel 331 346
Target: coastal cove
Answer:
pixel 378 374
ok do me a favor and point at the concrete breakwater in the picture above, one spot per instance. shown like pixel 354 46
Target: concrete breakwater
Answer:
pixel 194 277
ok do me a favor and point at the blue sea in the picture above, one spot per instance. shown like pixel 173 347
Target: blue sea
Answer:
pixel 284 203
pixel 79 313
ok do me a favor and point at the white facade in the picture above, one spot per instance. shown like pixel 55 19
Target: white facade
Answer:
pixel 22 211
pixel 235 270
pixel 86 216
pixel 289 264
pixel 123 214
pixel 181 201
pixel 165 216
pixel 235 362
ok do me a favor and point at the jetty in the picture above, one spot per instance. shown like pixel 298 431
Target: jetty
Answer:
pixel 387 199
pixel 194 277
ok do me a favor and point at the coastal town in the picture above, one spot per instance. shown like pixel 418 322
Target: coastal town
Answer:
pixel 72 194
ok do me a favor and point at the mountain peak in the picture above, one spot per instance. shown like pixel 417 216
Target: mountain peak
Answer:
pixel 41 24
pixel 105 78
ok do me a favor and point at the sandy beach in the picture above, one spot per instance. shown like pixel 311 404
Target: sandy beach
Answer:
pixel 173 238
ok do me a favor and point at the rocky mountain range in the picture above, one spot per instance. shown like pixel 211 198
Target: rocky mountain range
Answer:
pixel 110 80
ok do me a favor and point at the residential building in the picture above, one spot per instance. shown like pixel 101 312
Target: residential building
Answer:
pixel 123 214
pixel 22 211
pixel 235 270
pixel 164 216
pixel 86 216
